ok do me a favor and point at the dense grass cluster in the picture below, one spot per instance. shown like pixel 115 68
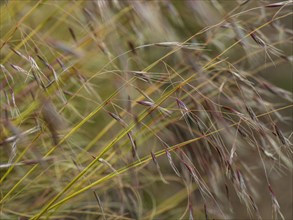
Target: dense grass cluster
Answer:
pixel 145 109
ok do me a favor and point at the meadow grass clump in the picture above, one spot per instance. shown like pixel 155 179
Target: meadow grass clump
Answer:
pixel 146 110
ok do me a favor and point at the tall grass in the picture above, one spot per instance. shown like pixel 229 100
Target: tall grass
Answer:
pixel 145 110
